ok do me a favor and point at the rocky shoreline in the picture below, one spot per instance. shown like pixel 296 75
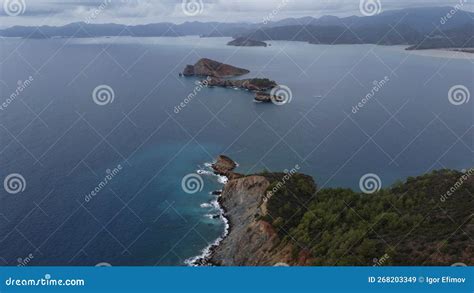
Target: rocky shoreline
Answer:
pixel 246 239
pixel 223 166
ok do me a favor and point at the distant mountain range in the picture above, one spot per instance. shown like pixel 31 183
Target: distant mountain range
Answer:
pixel 422 28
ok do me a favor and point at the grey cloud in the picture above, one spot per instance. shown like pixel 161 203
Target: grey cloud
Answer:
pixel 55 12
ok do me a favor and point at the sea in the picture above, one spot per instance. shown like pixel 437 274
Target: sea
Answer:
pixel 105 150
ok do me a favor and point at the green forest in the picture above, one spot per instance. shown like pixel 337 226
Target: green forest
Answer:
pixel 410 223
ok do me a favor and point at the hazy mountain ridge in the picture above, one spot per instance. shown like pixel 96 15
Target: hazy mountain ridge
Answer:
pixel 420 27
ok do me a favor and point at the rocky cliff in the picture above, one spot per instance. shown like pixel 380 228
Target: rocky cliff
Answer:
pixel 251 242
pixel 282 219
pixel 207 67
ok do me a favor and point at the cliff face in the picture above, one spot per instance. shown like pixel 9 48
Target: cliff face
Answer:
pixel 250 241
pixel 281 218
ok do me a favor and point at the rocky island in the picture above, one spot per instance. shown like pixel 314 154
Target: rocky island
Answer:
pixel 216 72
pixel 246 42
pixel 224 166
pixel 283 219
pixel 210 68
pixel 264 97
pixel 253 84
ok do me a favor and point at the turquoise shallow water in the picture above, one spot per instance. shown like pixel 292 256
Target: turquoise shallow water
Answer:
pixel 63 143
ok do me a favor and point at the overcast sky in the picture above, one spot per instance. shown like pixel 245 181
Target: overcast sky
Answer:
pixel 57 12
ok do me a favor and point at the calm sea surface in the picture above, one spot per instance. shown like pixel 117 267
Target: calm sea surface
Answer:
pixel 64 144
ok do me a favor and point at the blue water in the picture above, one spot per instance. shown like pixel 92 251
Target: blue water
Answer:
pixel 62 143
